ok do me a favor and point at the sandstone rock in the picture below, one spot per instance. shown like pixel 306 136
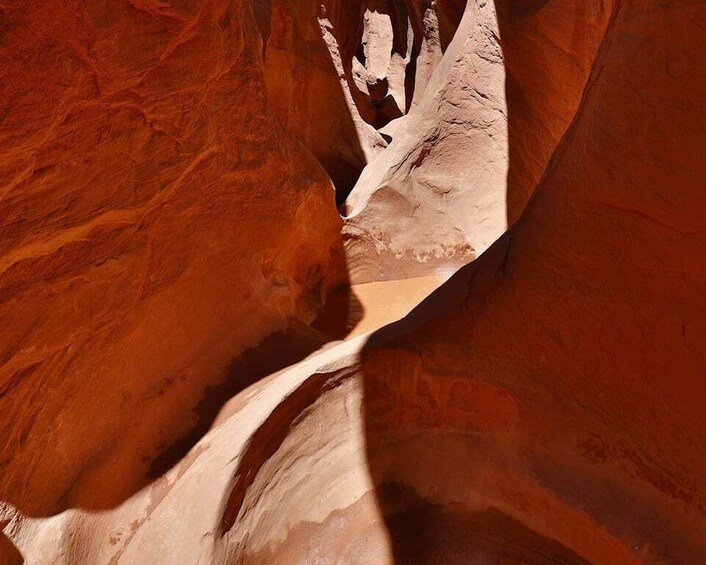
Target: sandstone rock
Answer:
pixel 466 159
pixel 339 72
pixel 544 405
pixel 156 221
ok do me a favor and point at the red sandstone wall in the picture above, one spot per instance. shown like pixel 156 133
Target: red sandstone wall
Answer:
pixel 155 221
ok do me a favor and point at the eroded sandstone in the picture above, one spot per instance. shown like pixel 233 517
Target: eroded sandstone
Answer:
pixel 554 382
pixel 465 161
pixel 156 221
pixel 339 72
pixel 543 405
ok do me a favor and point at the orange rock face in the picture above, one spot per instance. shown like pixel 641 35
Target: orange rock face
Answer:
pixel 543 405
pixel 562 386
pixel 156 220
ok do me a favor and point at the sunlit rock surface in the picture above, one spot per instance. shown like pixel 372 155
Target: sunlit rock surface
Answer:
pixel 464 162
pixel 543 405
pixel 339 71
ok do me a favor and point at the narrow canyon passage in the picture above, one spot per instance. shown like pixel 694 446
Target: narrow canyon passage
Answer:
pixel 340 75
pixel 369 281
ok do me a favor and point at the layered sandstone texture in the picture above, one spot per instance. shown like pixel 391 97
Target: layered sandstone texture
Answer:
pixel 543 405
pixel 463 163
pixel 546 404
pixel 339 71
pixel 156 221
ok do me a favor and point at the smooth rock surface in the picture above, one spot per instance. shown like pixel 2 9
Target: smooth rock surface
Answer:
pixel 543 405
pixel 156 222
pixel 546 400
pixel 465 161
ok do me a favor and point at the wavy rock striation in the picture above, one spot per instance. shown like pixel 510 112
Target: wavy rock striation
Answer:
pixel 156 221
pixel 464 162
pixel 544 405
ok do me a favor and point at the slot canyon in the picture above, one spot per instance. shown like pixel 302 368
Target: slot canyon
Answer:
pixel 376 282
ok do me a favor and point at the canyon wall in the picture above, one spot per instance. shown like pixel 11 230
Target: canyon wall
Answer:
pixel 573 361
pixel 156 221
pixel 339 72
pixel 463 164
pixel 543 405
pixel 546 404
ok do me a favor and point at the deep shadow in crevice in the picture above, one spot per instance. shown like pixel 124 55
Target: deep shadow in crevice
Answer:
pixel 9 554
pixel 425 533
pixel 450 13
pixel 340 315
pixel 276 352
